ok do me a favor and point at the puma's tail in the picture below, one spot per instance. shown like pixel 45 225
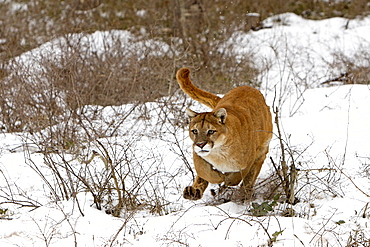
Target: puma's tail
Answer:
pixel 206 98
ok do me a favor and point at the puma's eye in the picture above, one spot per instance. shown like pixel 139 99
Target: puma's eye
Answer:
pixel 211 132
pixel 194 131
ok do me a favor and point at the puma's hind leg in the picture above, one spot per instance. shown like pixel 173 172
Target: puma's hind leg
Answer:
pixel 251 176
pixel 233 178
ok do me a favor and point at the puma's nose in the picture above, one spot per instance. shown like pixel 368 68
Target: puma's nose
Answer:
pixel 201 144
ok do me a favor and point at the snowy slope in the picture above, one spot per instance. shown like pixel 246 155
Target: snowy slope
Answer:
pixel 324 128
pixel 295 54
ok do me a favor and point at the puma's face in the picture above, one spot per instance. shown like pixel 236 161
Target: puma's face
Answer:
pixel 207 130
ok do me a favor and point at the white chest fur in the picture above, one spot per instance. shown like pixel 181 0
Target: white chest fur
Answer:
pixel 221 161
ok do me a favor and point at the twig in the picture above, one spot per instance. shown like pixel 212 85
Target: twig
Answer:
pixel 349 178
pixel 127 219
pixel 287 180
pixel 108 162
pixel 324 225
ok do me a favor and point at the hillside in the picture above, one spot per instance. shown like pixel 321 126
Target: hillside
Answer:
pixel 78 173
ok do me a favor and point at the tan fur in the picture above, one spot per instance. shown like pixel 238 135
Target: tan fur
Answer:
pixel 231 141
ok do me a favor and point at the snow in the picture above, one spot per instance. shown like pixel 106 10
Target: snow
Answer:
pixel 98 43
pixel 324 128
pixel 296 53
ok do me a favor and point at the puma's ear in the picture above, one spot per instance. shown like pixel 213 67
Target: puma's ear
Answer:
pixel 191 113
pixel 221 114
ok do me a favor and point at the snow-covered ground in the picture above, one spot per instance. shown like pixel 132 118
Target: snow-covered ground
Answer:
pixel 325 130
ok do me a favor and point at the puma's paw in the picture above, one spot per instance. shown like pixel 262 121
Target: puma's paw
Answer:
pixel 192 193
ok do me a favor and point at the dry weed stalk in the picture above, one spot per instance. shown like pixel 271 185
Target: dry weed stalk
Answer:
pixel 109 165
pixel 288 175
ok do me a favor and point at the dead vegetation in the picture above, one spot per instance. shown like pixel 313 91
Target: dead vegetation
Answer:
pixel 60 104
pixel 191 30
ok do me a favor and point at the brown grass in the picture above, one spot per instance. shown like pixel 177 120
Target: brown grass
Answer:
pixel 192 28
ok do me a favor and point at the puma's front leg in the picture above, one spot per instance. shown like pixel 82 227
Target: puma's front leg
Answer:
pixel 205 174
pixel 206 171
pixel 195 192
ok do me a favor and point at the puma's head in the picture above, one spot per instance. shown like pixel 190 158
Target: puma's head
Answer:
pixel 207 130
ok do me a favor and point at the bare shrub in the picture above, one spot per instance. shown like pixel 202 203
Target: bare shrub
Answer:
pixel 351 69
pixel 43 19
pixel 358 238
pixel 113 78
pixel 62 97
pixel 294 176
pixel 73 71
pixel 194 28
pixel 109 159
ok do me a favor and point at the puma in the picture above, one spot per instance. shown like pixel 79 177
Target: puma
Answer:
pixel 230 143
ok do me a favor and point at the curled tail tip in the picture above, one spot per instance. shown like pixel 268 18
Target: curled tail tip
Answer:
pixel 183 73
